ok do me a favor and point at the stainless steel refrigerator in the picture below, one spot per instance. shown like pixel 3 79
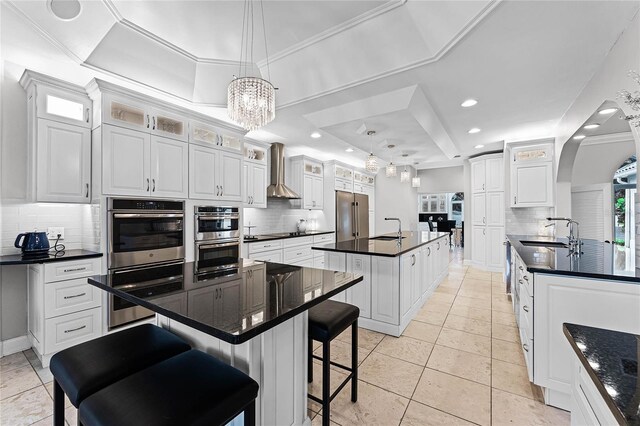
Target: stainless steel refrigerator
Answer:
pixel 352 216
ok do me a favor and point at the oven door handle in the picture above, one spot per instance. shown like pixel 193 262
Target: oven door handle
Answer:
pixel 218 217
pixel 208 246
pixel 143 215
pixel 149 283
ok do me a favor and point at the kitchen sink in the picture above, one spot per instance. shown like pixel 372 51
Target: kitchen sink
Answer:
pixel 543 244
pixel 385 238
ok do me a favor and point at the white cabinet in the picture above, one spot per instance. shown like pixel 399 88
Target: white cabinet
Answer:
pixel 255 288
pixel 64 309
pixel 360 294
pixel 214 174
pixel 64 106
pixel 410 275
pixel 385 290
pixel 255 180
pixel 532 176
pixel 169 124
pixel 487 211
pixel 63 167
pixel 136 164
pixel 307 180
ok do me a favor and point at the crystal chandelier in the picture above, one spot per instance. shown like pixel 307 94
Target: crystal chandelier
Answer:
pixel 633 100
pixel 405 175
pixel 371 164
pixel 415 182
pixel 251 101
pixel 391 169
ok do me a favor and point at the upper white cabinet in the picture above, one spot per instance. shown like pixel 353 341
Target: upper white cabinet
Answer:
pixel 532 176
pixel 478 177
pixel 214 174
pixel 135 163
pixel 168 124
pixel 208 135
pixel 307 180
pixel 255 176
pixel 59 118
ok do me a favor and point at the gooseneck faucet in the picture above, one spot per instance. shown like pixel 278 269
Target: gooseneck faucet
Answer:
pixel 399 225
pixel 574 233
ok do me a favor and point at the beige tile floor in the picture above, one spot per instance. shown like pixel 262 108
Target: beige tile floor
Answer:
pixel 458 363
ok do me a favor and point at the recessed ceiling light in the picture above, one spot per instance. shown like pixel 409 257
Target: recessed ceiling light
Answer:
pixel 349 149
pixel 607 111
pixel 579 137
pixel 473 130
pixel 468 103
pixel 591 126
pixel 65 10
pixel 479 146
pixel 316 135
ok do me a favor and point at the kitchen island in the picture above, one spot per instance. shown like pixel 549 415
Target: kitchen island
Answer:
pixel 399 275
pixel 254 318
pixel 551 286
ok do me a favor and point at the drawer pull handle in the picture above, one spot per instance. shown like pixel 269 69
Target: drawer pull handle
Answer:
pixel 75 329
pixel 525 308
pixel 520 281
pixel 75 295
pixel 526 278
pixel 298 254
pixel 520 267
pixel 82 268
pixel 267 245
pixel 525 347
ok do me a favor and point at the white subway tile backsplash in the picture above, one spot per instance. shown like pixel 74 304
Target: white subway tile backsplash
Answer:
pixel 279 216
pixel 528 221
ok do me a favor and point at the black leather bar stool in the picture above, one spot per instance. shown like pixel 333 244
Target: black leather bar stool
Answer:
pixel 326 321
pixel 84 369
pixel 192 388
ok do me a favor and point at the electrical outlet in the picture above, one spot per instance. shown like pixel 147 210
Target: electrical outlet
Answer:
pixel 53 231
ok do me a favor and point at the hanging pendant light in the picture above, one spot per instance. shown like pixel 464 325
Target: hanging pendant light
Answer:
pixel 405 176
pixel 371 163
pixel 251 101
pixel 415 182
pixel 391 169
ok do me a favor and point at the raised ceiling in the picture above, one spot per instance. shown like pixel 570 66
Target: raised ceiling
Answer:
pixel 402 68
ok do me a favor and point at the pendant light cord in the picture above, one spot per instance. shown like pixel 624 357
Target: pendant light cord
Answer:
pixel 247 39
pixel 264 33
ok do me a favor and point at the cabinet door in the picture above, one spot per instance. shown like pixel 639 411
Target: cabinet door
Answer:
pixel 478 176
pixel 125 161
pixel 255 288
pixel 169 168
pixel 360 294
pixel 203 167
pixel 478 208
pixel 385 289
pixel 479 244
pixel 335 261
pixel 36 305
pixel 307 192
pixel 532 185
pixel 428 276
pixel 406 283
pixel 203 134
pixel 229 305
pixel 495 248
pixel 230 176
pixel 416 271
pixel 495 208
pixel 318 193
pixel 372 223
pixel 259 186
pixel 63 106
pixel 248 187
pixel 124 112
pixel 169 125
pixel 495 174
pixel 63 162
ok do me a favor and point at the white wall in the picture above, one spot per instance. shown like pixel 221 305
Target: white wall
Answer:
pixel 442 179
pixel 395 199
pixel 596 163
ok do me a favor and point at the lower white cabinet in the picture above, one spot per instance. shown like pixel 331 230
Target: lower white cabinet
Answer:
pixel 293 251
pixel 360 294
pixel 385 290
pixel 479 244
pixel 410 274
pixel 64 309
pixel 587 405
pixel 255 291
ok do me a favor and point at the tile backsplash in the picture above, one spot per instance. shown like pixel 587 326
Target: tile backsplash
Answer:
pixel 281 216
pixel 528 221
pixel 80 221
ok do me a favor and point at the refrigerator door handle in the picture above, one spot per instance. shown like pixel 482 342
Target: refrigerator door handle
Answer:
pixel 354 219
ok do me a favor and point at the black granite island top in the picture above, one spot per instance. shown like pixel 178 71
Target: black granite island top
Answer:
pixel 611 360
pixel 389 248
pixel 598 259
pixel 234 305
pixel 63 256
pixel 283 235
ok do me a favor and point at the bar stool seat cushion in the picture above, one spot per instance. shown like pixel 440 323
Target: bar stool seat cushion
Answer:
pixel 330 318
pixel 192 388
pixel 88 367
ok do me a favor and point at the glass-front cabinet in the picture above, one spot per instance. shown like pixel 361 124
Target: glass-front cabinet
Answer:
pixel 169 125
pixel 204 134
pixel 63 106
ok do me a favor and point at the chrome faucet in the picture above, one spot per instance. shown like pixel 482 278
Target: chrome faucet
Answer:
pixel 399 225
pixel 574 233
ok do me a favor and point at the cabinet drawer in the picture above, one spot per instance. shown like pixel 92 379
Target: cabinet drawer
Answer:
pixel 318 262
pixel 324 238
pixel 68 330
pixel 65 297
pixel 527 349
pixel 268 256
pixel 265 246
pixel 296 254
pixel 300 241
pixel 59 271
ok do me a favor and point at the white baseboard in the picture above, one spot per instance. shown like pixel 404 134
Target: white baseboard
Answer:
pixel 467 262
pixel 12 346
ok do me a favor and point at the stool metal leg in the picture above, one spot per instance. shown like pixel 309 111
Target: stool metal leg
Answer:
pixel 310 361
pixel 354 361
pixel 250 414
pixel 58 404
pixel 326 388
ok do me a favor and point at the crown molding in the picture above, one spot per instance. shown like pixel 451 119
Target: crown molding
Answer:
pixel 610 138
pixel 30 77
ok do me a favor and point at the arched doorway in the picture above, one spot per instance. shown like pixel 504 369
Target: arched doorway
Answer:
pixel 624 200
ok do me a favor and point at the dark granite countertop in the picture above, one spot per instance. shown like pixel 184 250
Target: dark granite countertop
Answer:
pixel 234 305
pixel 283 235
pixel 611 359
pixel 63 256
pixel 374 247
pixel 598 260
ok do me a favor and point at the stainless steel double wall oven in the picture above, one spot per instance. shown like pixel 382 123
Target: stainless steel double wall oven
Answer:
pixel 217 239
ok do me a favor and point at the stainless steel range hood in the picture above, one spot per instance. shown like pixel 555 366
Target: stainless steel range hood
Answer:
pixel 278 189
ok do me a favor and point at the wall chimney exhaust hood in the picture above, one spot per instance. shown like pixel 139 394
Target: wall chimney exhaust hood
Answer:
pixel 278 189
